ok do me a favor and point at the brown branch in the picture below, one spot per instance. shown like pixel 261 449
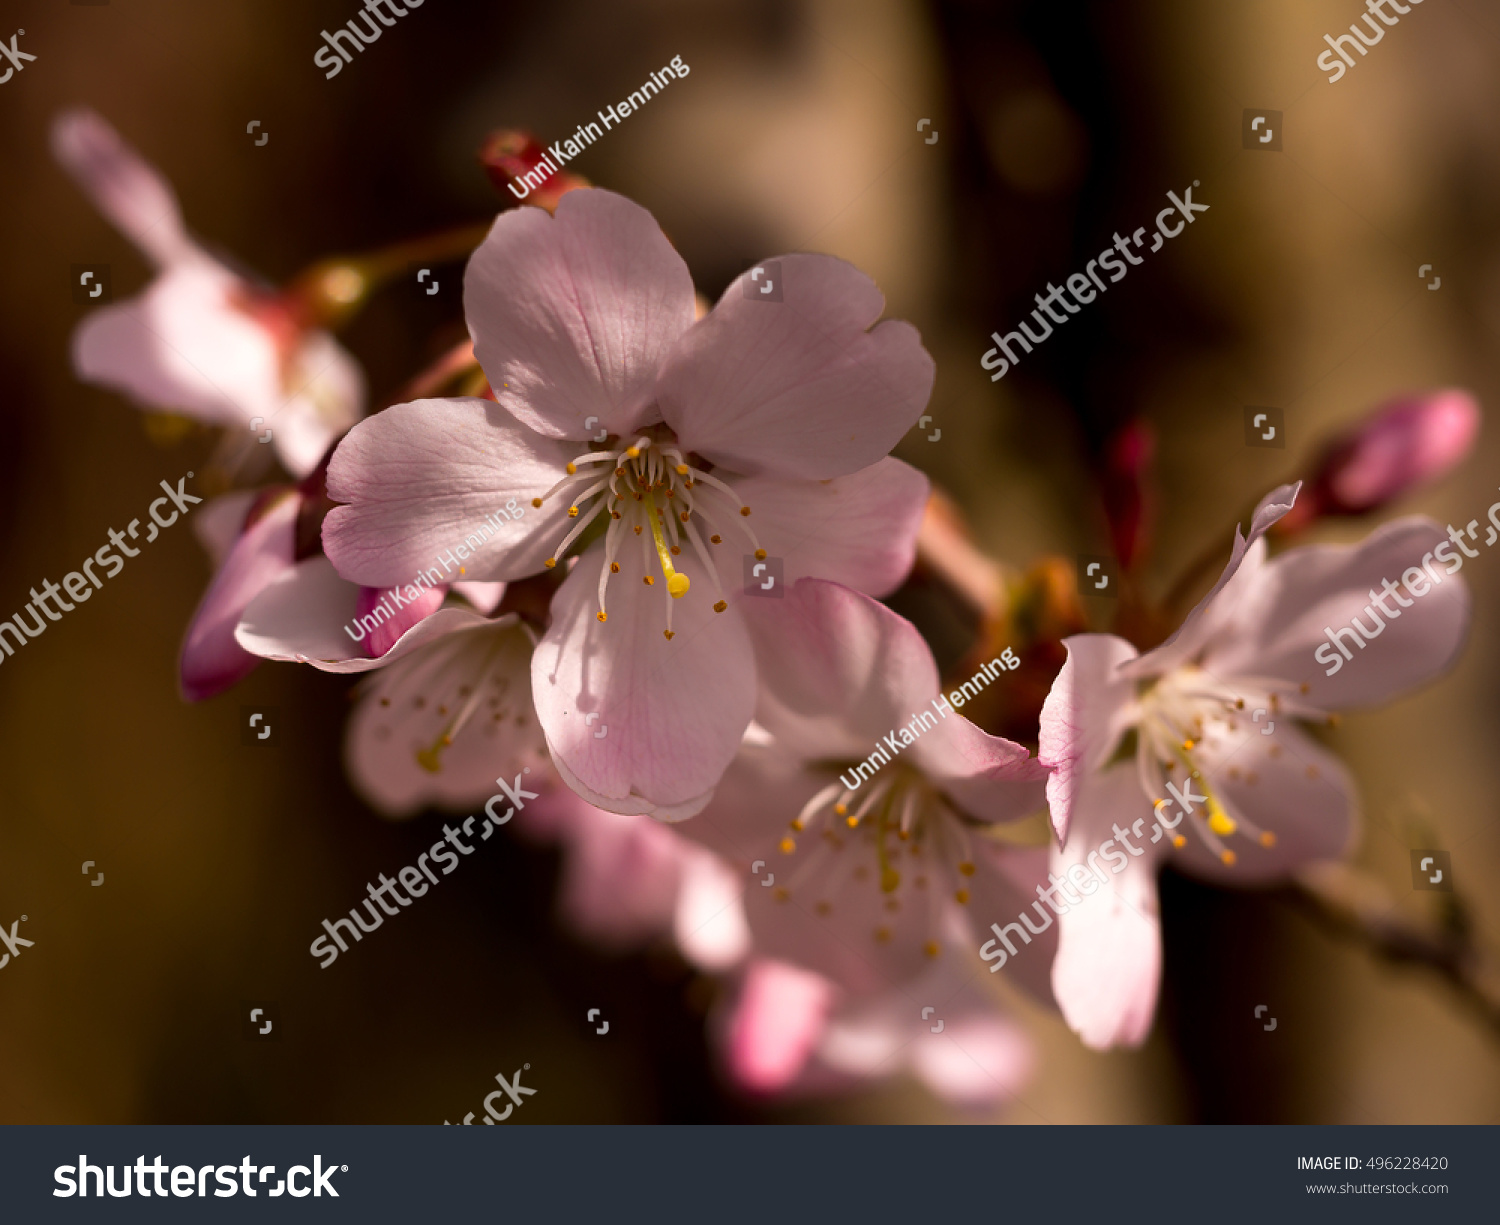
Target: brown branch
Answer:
pixel 1359 907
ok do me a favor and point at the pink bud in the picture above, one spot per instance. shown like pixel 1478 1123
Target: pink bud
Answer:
pixel 1405 443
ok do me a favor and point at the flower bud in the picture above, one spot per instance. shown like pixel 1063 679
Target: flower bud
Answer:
pixel 1406 443
pixel 508 155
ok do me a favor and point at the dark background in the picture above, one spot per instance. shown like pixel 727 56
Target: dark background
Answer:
pixel 1058 124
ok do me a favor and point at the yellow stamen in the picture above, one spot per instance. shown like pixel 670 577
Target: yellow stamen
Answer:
pixel 721 606
pixel 966 868
pixel 682 469
pixel 962 897
pixel 550 562
pixel 572 512
pixel 788 846
pixel 1179 841
pixel 602 615
pixel 841 809
pixel 670 634
pixel 1220 821
pixel 716 540
pixel 649 581
pixel 1268 839
pixel 614 567
pixel 1187 746
pixel 745 510
pixel 930 948
pixel 1227 859
pixel 537 502
pixel 851 821
pixel 760 555
pixel 677 582
pixel 572 469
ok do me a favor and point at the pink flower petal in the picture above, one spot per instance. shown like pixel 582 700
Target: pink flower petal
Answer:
pixel 976 1060
pixel 709 923
pixel 1108 964
pixel 620 877
pixel 218 523
pixel 124 187
pixel 989 777
pixel 1218 606
pixel 837 669
pixel 632 804
pixel 485 597
pixel 1082 719
pixel 302 617
pixel 1286 784
pixel 421 479
pixel 1004 886
pixel 321 395
pixel 825 529
pixel 976 1057
pixel 392 746
pixel 755 800
pixel 573 314
pixel 181 345
pixel 212 660
pixel 675 711
pixel 1279 625
pixel 779 1017
pixel 805 387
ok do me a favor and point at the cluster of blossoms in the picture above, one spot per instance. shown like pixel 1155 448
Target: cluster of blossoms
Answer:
pixel 695 741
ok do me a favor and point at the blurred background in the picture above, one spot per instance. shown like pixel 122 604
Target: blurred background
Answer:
pixel 1057 124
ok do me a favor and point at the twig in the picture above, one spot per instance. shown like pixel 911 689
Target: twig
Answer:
pixel 1356 905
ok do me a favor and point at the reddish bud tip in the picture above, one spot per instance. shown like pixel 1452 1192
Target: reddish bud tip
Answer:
pixel 519 168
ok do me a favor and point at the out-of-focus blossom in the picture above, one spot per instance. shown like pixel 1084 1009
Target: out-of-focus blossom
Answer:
pixel 1192 750
pixel 1406 443
pixel 613 402
pixel 201 339
pixel 622 874
pixel 874 884
pixel 790 1031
